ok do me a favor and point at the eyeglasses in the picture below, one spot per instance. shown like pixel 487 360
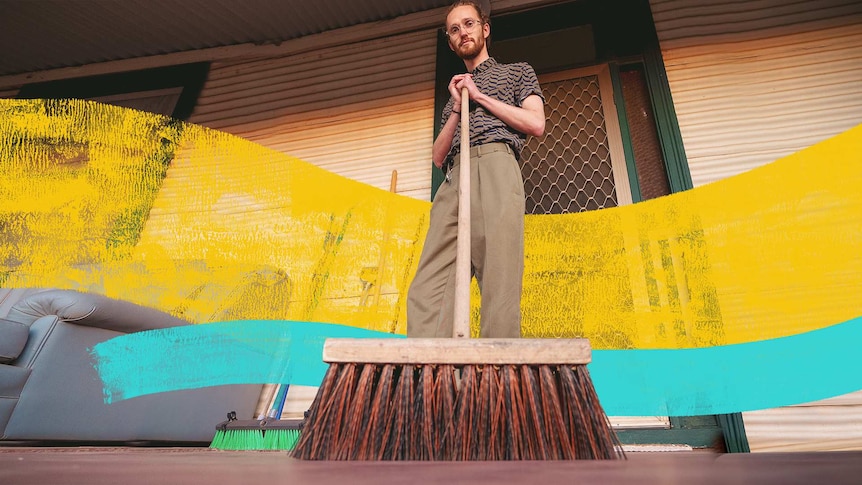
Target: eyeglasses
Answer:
pixel 468 26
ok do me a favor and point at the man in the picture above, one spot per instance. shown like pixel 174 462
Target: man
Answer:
pixel 506 105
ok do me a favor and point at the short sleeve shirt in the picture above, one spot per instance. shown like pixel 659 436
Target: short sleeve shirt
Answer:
pixel 509 83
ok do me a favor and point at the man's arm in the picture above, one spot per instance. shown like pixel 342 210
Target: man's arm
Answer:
pixel 529 118
pixel 443 143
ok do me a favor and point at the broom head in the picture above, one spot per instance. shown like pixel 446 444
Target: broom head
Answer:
pixel 457 399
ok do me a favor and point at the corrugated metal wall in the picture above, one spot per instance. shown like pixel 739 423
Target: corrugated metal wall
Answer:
pixel 829 425
pixel 755 81
pixel 752 82
pixel 361 110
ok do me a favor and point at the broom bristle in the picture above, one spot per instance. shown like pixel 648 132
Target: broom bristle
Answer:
pixel 372 444
pixel 406 412
pixel 309 444
pixel 264 434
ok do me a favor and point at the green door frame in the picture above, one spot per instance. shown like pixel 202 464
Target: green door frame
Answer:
pixel 630 38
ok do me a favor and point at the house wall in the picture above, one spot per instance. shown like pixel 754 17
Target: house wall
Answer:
pixel 752 82
pixel 755 81
pixel 360 110
pixel 829 425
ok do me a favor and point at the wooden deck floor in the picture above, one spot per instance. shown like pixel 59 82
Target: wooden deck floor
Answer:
pixel 137 466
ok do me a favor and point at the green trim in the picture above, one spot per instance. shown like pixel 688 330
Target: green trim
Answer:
pixel 694 422
pixel 619 39
pixel 733 429
pixel 695 431
pixel 189 77
pixel 696 438
pixel 729 427
pixel 670 138
pixel 628 149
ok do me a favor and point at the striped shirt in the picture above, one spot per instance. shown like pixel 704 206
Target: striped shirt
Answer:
pixel 509 83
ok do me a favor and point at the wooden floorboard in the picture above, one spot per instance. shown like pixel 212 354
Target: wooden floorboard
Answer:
pixel 138 466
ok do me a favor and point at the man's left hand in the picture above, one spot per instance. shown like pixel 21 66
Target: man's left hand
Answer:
pixel 467 82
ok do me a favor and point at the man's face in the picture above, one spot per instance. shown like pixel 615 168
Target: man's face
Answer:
pixel 467 44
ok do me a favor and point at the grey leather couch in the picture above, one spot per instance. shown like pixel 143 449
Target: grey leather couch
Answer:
pixel 50 390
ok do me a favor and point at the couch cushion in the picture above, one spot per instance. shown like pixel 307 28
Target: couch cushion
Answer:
pixel 13 337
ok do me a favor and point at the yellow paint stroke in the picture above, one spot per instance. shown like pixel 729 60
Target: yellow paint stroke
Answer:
pixel 211 227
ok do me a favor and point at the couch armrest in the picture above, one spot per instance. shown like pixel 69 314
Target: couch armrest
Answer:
pixel 13 338
pixel 92 310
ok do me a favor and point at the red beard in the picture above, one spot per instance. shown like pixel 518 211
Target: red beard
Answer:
pixel 472 49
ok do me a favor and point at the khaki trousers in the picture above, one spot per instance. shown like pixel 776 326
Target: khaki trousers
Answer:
pixel 497 249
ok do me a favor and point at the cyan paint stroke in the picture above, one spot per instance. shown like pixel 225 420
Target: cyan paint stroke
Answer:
pixel 732 378
pixel 236 352
pixel 713 380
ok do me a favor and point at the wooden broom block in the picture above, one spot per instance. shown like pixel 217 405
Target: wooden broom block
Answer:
pixel 575 351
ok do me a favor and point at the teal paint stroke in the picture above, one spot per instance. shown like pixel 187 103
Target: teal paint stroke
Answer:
pixel 680 382
pixel 731 378
pixel 235 352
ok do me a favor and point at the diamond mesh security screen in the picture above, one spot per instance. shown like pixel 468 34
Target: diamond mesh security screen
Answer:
pixel 569 169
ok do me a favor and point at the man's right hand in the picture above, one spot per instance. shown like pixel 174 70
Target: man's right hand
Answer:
pixel 455 86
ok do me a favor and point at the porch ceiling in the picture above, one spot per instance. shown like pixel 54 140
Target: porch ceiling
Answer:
pixel 38 35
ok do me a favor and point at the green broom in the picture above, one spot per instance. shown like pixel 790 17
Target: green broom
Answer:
pixel 270 433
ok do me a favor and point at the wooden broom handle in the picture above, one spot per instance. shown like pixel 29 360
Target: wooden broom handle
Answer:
pixel 461 325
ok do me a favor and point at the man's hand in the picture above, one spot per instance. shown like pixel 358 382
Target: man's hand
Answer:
pixel 454 90
pixel 460 81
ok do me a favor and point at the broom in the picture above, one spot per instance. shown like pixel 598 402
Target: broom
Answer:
pixel 269 433
pixel 457 399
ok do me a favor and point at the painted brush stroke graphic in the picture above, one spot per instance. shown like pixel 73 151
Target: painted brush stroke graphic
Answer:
pixel 240 352
pixel 213 228
pixel 642 382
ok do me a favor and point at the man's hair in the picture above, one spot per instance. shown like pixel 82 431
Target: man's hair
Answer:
pixel 483 15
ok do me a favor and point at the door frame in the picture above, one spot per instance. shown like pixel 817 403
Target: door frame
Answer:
pixel 621 38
